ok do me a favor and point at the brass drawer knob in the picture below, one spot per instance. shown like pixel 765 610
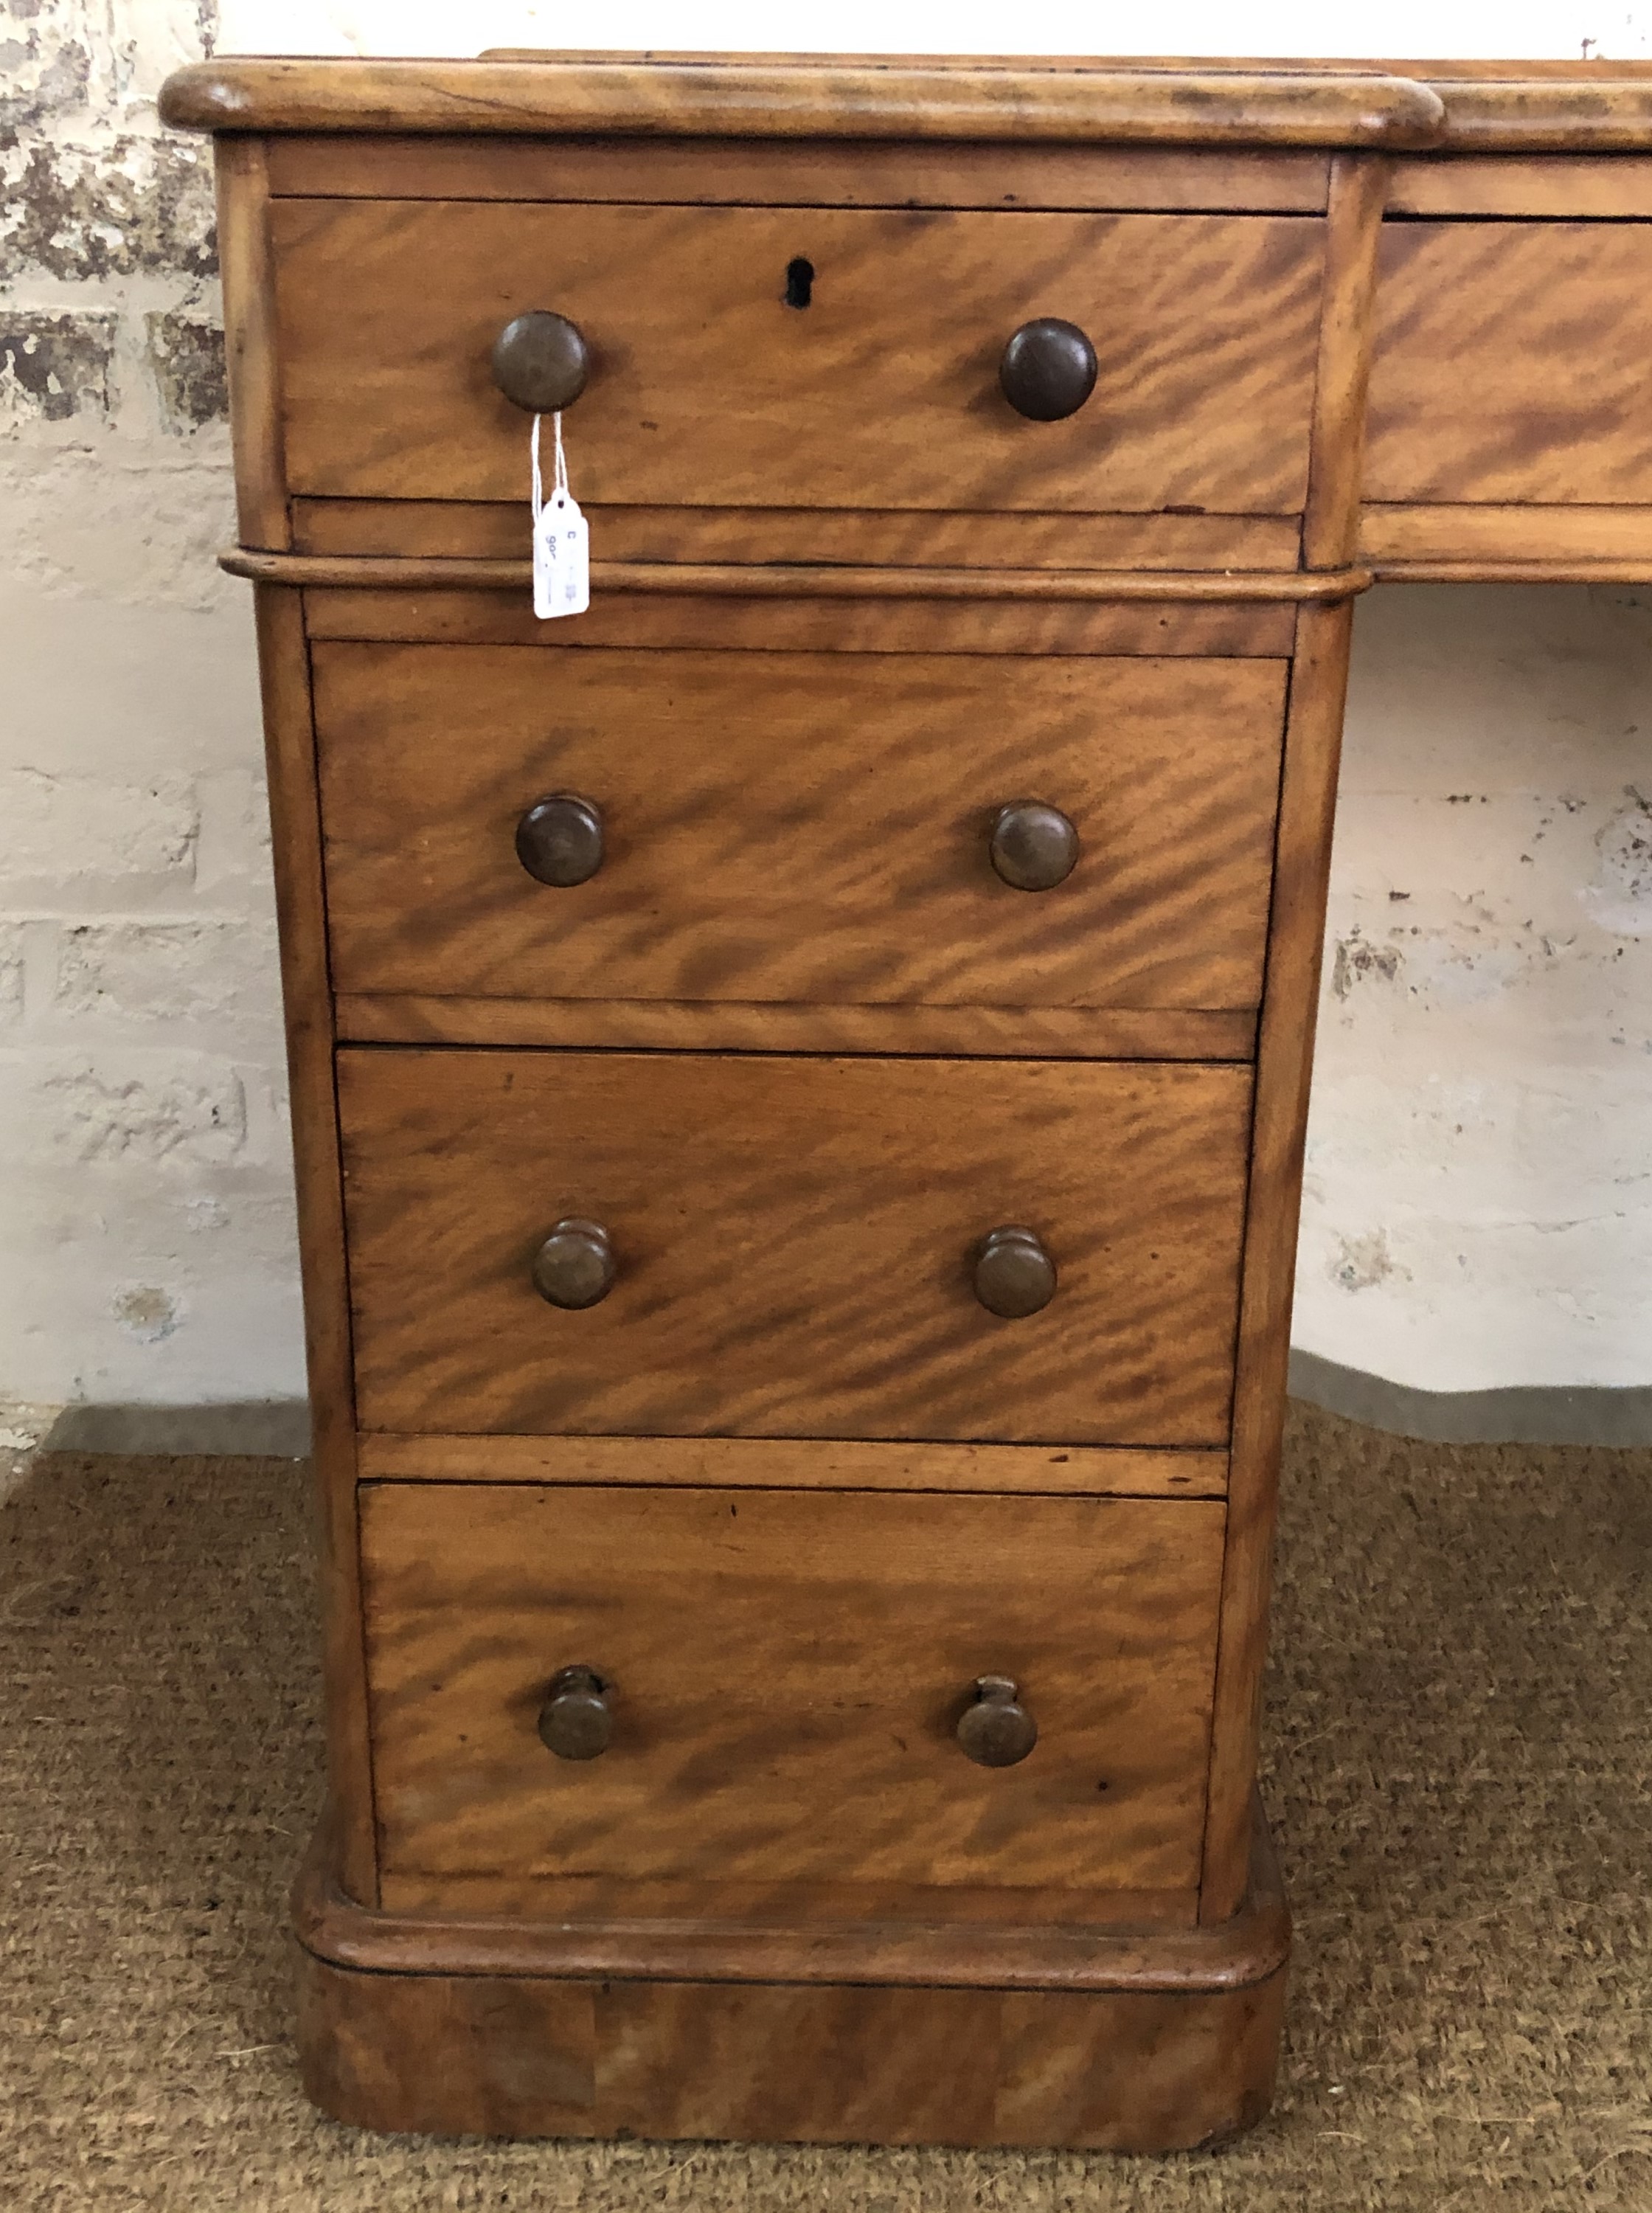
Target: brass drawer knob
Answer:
pixel 1033 846
pixel 1013 1274
pixel 574 1266
pixel 576 1722
pixel 1048 369
pixel 995 1729
pixel 540 361
pixel 559 839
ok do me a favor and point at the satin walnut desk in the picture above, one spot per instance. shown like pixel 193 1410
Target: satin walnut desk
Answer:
pixel 799 1072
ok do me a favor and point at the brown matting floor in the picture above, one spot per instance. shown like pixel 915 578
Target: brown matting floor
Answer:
pixel 1460 1718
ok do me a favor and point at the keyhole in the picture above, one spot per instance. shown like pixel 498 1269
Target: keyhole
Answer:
pixel 799 282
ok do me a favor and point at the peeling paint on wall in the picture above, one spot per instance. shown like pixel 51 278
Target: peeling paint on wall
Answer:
pixel 147 1177
pixel 55 366
pixel 1477 1202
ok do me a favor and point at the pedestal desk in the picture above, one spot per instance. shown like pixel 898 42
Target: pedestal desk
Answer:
pixel 799 1072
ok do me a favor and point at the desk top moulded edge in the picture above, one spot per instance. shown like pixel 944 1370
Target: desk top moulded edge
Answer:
pixel 808 97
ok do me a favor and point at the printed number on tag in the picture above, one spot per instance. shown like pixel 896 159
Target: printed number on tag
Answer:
pixel 562 558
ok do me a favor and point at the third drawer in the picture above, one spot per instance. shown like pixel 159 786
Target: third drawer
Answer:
pixel 785 1247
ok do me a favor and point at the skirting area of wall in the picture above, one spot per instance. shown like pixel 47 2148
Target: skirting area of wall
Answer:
pixel 1575 1415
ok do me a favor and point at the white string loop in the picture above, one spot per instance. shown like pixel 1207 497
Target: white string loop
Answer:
pixel 559 466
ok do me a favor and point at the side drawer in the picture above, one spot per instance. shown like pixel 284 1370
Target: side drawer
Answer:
pixel 793 1242
pixel 784 1675
pixel 794 827
pixel 707 389
pixel 1509 365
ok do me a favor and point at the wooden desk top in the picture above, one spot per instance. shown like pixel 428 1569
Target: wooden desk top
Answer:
pixel 1455 107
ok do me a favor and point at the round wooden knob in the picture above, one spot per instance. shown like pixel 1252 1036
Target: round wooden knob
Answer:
pixel 1048 369
pixel 1013 1274
pixel 575 1720
pixel 996 1730
pixel 1033 846
pixel 574 1266
pixel 540 361
pixel 559 839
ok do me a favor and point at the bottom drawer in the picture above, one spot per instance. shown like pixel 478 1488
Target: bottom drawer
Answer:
pixel 784 1675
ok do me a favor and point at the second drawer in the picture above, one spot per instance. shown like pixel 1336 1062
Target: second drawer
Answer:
pixel 766 827
pixel 778 1246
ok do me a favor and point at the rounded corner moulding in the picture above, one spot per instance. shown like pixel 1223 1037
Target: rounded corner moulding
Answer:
pixel 826 98
pixel 800 581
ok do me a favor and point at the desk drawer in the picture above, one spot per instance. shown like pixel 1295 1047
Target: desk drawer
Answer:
pixel 1510 364
pixel 795 1245
pixel 788 826
pixel 707 389
pixel 783 1676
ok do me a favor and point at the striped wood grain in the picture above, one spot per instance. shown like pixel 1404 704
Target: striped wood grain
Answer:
pixel 812 96
pixel 732 173
pixel 511 2055
pixel 794 1241
pixel 1285 1065
pixel 1510 364
pixel 742 1026
pixel 793 1463
pixel 1480 538
pixel 250 359
pixel 405 528
pixel 707 389
pixel 1225 629
pixel 819 833
pixel 307 996
pixel 788 1669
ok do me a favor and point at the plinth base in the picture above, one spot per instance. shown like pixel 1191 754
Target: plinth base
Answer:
pixel 1113 2039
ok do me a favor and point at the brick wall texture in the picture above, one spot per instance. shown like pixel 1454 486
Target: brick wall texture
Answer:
pixel 145 1181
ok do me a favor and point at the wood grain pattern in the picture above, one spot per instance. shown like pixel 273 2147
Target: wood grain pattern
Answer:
pixel 1482 537
pixel 1508 364
pixel 795 581
pixel 1284 1063
pixel 307 996
pixel 823 625
pixel 1520 572
pixel 1609 111
pixel 808 1654
pixel 736 1025
pixel 732 173
pixel 805 1934
pixel 1057 1918
pixel 707 389
pixel 880 537
pixel 794 1240
pixel 805 96
pixel 250 356
pixel 788 1464
pixel 1407 534
pixel 1359 187
pixel 1124 2039
pixel 510 2056
pixel 1556 185
pixel 821 835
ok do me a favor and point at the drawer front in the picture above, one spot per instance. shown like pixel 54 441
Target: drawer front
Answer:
pixel 793 1242
pixel 798 826
pixel 1510 364
pixel 783 1676
pixel 708 390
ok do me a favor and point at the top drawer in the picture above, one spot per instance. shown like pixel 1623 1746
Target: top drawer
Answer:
pixel 707 389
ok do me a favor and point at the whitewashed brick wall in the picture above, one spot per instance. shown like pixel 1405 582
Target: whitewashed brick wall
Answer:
pixel 145 1184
